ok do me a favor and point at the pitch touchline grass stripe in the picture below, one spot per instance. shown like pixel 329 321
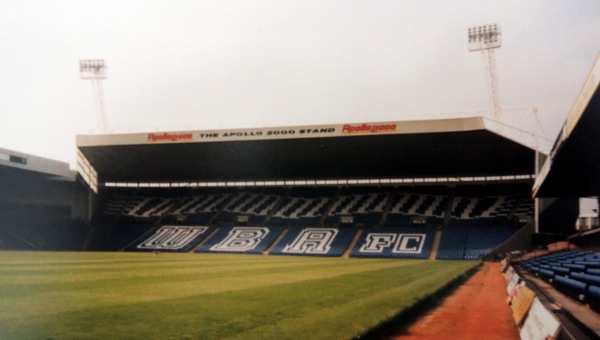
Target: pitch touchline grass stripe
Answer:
pixel 192 265
pixel 133 291
pixel 59 274
pixel 33 257
pixel 149 260
pixel 81 282
pixel 124 283
pixel 176 270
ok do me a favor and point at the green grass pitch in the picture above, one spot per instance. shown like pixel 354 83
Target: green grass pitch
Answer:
pixel 54 295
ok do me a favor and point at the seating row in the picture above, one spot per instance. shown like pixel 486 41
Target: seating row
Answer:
pixel 574 273
pixel 369 206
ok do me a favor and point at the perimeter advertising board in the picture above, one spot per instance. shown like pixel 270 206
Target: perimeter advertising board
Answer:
pixel 521 303
pixel 540 323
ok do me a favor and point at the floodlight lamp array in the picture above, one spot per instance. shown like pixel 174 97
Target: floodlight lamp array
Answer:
pixel 484 37
pixel 92 68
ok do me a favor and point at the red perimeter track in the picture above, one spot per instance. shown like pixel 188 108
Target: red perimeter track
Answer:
pixel 476 310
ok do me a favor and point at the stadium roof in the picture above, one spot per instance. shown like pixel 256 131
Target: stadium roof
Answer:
pixel 573 166
pixel 432 149
pixel 24 167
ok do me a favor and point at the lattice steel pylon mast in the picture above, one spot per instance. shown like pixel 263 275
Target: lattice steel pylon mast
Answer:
pixel 95 70
pixel 486 38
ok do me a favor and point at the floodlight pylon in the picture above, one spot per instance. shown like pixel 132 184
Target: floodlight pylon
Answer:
pixel 487 38
pixel 95 70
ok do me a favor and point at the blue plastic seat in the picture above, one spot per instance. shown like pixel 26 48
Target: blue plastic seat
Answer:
pixel 575 289
pixel 593 297
pixel 591 279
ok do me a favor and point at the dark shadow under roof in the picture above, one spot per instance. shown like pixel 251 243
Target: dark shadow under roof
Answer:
pixel 451 148
pixel 573 167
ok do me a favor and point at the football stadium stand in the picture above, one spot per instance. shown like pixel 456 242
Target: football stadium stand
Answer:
pixel 42 206
pixel 388 222
pixel 351 184
pixel 340 217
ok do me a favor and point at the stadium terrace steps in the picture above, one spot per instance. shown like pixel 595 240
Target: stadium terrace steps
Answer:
pixel 276 242
pixel 436 244
pixel 353 243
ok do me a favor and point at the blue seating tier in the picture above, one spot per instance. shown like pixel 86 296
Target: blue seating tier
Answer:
pixel 400 242
pixel 315 241
pixel 236 239
pixel 471 243
pixel 173 239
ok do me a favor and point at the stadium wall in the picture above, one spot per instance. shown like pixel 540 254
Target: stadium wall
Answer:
pixel 42 205
pixel 520 241
pixel 66 194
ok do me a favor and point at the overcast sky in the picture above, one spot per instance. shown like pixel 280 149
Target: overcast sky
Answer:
pixel 179 65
